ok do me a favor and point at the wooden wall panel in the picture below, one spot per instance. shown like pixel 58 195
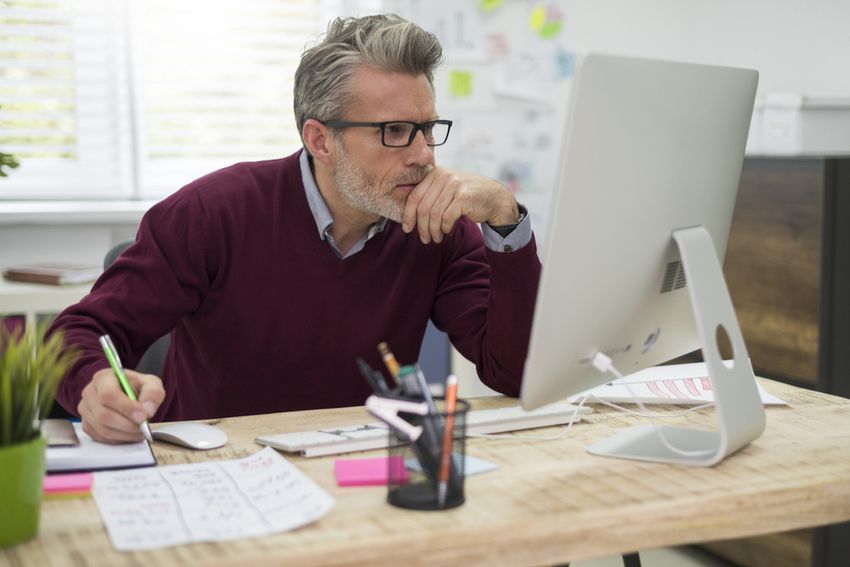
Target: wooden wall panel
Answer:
pixel 772 265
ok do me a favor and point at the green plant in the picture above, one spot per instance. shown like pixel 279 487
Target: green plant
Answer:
pixel 31 368
pixel 7 160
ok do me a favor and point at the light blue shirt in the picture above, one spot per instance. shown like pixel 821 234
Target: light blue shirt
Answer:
pixel 518 238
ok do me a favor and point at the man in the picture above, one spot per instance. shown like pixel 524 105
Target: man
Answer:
pixel 273 276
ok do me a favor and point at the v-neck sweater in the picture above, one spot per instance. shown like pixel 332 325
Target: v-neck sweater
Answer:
pixel 263 315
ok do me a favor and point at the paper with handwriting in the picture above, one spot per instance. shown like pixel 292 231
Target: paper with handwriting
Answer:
pixel 212 501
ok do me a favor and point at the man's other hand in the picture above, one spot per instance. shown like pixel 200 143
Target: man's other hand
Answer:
pixel 443 196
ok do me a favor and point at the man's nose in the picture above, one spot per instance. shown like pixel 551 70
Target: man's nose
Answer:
pixel 419 152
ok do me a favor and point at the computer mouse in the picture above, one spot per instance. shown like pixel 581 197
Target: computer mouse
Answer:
pixel 192 435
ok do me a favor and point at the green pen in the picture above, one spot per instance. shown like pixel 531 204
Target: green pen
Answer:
pixel 118 369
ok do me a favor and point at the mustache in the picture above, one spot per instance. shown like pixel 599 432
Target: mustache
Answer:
pixel 413 177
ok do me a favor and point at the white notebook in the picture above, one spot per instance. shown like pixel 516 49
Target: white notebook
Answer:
pixel 90 455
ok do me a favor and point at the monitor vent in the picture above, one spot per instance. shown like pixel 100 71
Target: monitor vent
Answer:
pixel 674 277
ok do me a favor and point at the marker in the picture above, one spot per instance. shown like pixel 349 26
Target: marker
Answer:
pixel 451 401
pixel 372 377
pixel 389 360
pixel 115 362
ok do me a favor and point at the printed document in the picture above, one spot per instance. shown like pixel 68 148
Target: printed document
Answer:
pixel 671 384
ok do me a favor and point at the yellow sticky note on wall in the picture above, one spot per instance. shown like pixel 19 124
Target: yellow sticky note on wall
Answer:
pixel 537 17
pixel 546 21
pixel 490 5
pixel 460 83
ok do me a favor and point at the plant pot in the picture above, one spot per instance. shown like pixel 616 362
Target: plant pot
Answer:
pixel 21 477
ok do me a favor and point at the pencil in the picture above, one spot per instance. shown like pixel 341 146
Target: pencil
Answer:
pixel 389 360
pixel 445 459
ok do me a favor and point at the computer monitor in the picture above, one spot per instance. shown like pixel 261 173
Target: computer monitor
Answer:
pixel 649 168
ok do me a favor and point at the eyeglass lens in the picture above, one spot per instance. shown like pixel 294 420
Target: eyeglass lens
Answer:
pixel 402 133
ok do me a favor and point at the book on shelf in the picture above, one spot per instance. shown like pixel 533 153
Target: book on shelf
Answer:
pixel 53 273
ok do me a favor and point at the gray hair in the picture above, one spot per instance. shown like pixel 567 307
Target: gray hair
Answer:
pixel 386 42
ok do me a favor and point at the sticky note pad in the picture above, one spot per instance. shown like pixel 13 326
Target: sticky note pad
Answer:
pixel 460 83
pixel 367 472
pixel 67 485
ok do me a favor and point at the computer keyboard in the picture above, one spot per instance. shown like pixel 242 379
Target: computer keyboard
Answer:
pixel 362 437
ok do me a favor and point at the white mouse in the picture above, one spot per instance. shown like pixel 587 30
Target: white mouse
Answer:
pixel 191 435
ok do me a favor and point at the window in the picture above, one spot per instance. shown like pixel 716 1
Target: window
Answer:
pixel 61 98
pixel 135 98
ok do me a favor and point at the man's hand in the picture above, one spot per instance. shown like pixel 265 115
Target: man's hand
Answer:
pixel 109 416
pixel 443 196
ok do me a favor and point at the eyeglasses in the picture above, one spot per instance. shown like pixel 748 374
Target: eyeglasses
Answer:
pixel 400 133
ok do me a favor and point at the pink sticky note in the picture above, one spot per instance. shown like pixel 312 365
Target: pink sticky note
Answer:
pixel 368 472
pixel 67 483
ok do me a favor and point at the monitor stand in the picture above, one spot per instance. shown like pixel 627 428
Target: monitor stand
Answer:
pixel 738 407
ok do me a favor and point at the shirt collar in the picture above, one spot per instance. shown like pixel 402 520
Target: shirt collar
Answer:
pixel 321 213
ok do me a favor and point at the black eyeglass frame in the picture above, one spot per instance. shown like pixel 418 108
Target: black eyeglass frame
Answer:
pixel 382 125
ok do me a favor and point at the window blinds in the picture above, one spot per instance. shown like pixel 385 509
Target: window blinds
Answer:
pixel 62 99
pixel 135 98
pixel 213 84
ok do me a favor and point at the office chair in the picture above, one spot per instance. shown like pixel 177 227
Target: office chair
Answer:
pixel 154 358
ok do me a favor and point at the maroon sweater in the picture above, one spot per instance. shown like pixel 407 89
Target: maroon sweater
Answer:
pixel 265 317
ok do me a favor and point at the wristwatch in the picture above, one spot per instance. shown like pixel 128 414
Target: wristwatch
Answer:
pixel 506 229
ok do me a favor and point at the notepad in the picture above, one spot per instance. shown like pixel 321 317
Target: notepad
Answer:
pixel 471 465
pixel 367 472
pixel 90 455
pixel 67 485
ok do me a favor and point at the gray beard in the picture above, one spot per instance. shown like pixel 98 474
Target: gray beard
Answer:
pixel 359 191
pixel 364 193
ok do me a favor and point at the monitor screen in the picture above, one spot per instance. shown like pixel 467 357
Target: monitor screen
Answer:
pixel 650 147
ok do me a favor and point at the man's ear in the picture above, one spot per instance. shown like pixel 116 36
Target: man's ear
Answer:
pixel 317 139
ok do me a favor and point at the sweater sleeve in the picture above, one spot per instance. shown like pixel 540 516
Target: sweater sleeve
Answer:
pixel 161 277
pixel 485 303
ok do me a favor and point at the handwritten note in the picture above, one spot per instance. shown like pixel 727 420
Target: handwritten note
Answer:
pixel 213 501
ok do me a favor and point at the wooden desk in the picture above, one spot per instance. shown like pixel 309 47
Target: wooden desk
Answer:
pixel 549 502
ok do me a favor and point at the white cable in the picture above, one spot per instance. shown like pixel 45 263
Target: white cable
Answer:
pixel 604 364
pixel 535 437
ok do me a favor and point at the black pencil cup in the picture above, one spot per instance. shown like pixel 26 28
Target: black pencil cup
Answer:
pixel 415 466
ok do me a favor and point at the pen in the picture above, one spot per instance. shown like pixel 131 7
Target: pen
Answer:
pixel 389 360
pixel 115 362
pixel 451 400
pixel 373 378
pixel 414 385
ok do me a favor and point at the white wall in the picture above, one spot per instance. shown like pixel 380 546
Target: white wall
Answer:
pixel 796 45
